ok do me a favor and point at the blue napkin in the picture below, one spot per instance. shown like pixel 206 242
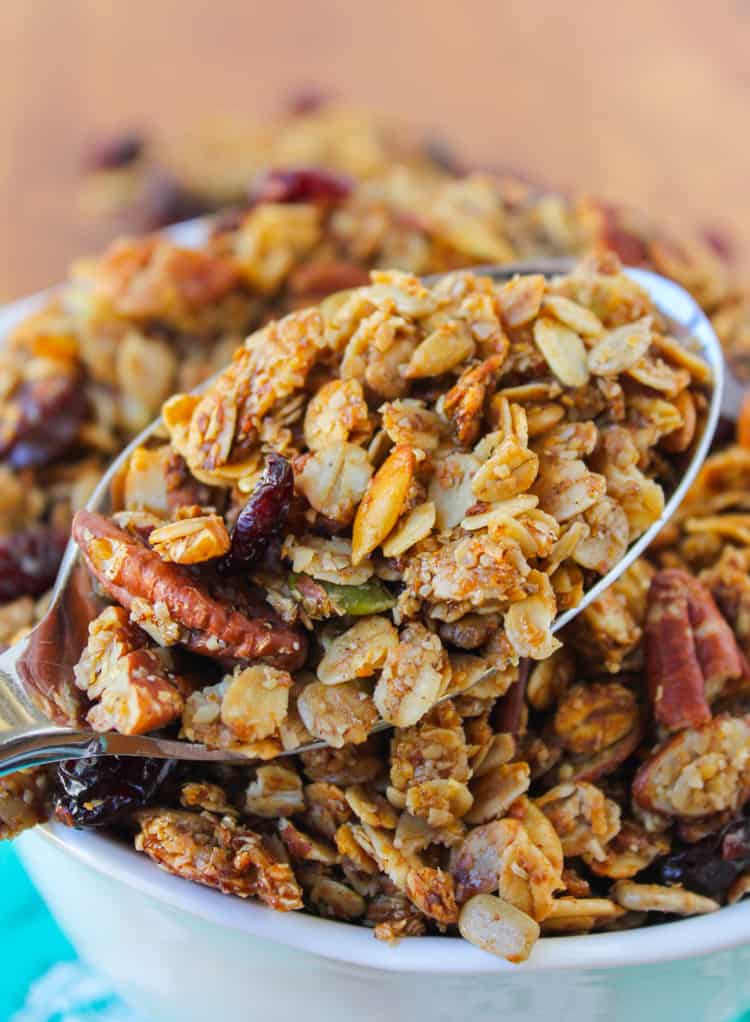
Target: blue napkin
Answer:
pixel 41 979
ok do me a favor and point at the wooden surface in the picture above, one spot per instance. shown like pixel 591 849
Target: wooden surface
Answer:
pixel 646 100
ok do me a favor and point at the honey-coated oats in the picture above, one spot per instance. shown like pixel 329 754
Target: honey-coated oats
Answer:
pixel 466 458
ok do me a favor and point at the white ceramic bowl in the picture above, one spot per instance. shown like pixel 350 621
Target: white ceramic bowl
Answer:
pixel 182 953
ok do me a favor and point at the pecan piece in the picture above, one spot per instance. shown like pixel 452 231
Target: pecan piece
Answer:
pixel 133 575
pixel 699 771
pixel 689 649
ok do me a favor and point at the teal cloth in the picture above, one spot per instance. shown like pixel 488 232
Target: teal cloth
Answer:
pixel 41 980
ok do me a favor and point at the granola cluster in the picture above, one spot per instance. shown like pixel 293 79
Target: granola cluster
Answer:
pixel 376 512
pixel 465 458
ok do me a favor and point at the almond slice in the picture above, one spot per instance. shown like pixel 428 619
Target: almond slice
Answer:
pixel 383 502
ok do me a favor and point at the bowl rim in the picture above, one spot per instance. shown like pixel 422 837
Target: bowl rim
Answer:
pixel 356 945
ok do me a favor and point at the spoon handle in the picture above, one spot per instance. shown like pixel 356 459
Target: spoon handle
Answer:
pixel 28 747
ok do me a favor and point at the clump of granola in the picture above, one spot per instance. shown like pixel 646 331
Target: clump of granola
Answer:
pixel 400 415
pixel 383 503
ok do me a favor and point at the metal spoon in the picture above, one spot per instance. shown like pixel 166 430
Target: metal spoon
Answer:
pixel 36 674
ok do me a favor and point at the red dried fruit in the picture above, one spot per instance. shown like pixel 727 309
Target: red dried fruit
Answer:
pixel 97 792
pixel 300 184
pixel 710 865
pixel 308 100
pixel 263 516
pixel 29 561
pixel 165 201
pixel 48 416
pixel 114 152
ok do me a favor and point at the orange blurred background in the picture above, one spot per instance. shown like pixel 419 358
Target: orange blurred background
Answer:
pixel 645 102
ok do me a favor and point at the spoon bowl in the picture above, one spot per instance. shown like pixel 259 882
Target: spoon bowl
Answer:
pixel 39 704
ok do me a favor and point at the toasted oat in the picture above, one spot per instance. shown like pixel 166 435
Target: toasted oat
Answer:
pixel 414 674
pixel 337 714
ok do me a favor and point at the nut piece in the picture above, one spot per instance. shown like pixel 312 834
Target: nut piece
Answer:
pixel 503 856
pixel 414 675
pixel 256 702
pixel 335 413
pixel 134 689
pixel 358 652
pixel 383 502
pixel 334 479
pixel 23 801
pixel 138 693
pixel 191 540
pixel 446 347
pixel 337 714
pixel 218 854
pixel 585 820
pixel 135 576
pixel 496 926
pixel 698 771
pixel 496 790
pixel 593 717
pixel 621 348
pixel 655 898
pixel 689 647
pixel 564 351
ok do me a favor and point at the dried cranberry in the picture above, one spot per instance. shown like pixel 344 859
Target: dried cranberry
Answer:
pixel 711 865
pixel 721 243
pixel 166 201
pixel 49 415
pixel 115 152
pixel 97 792
pixel 306 101
pixel 29 561
pixel 300 184
pixel 263 516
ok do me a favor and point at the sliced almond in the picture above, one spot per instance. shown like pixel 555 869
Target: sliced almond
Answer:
pixel 571 314
pixel 383 502
pixel 521 299
pixel 620 349
pixel 564 351
pixel 446 347
pixel 416 526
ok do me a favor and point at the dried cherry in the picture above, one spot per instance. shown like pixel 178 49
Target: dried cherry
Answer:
pixel 97 792
pixel 165 201
pixel 49 415
pixel 263 516
pixel 114 152
pixel 710 866
pixel 29 561
pixel 300 184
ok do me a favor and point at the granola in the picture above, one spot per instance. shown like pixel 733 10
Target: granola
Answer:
pixel 466 459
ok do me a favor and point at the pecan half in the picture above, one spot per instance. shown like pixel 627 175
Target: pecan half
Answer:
pixel 690 650
pixel 135 576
